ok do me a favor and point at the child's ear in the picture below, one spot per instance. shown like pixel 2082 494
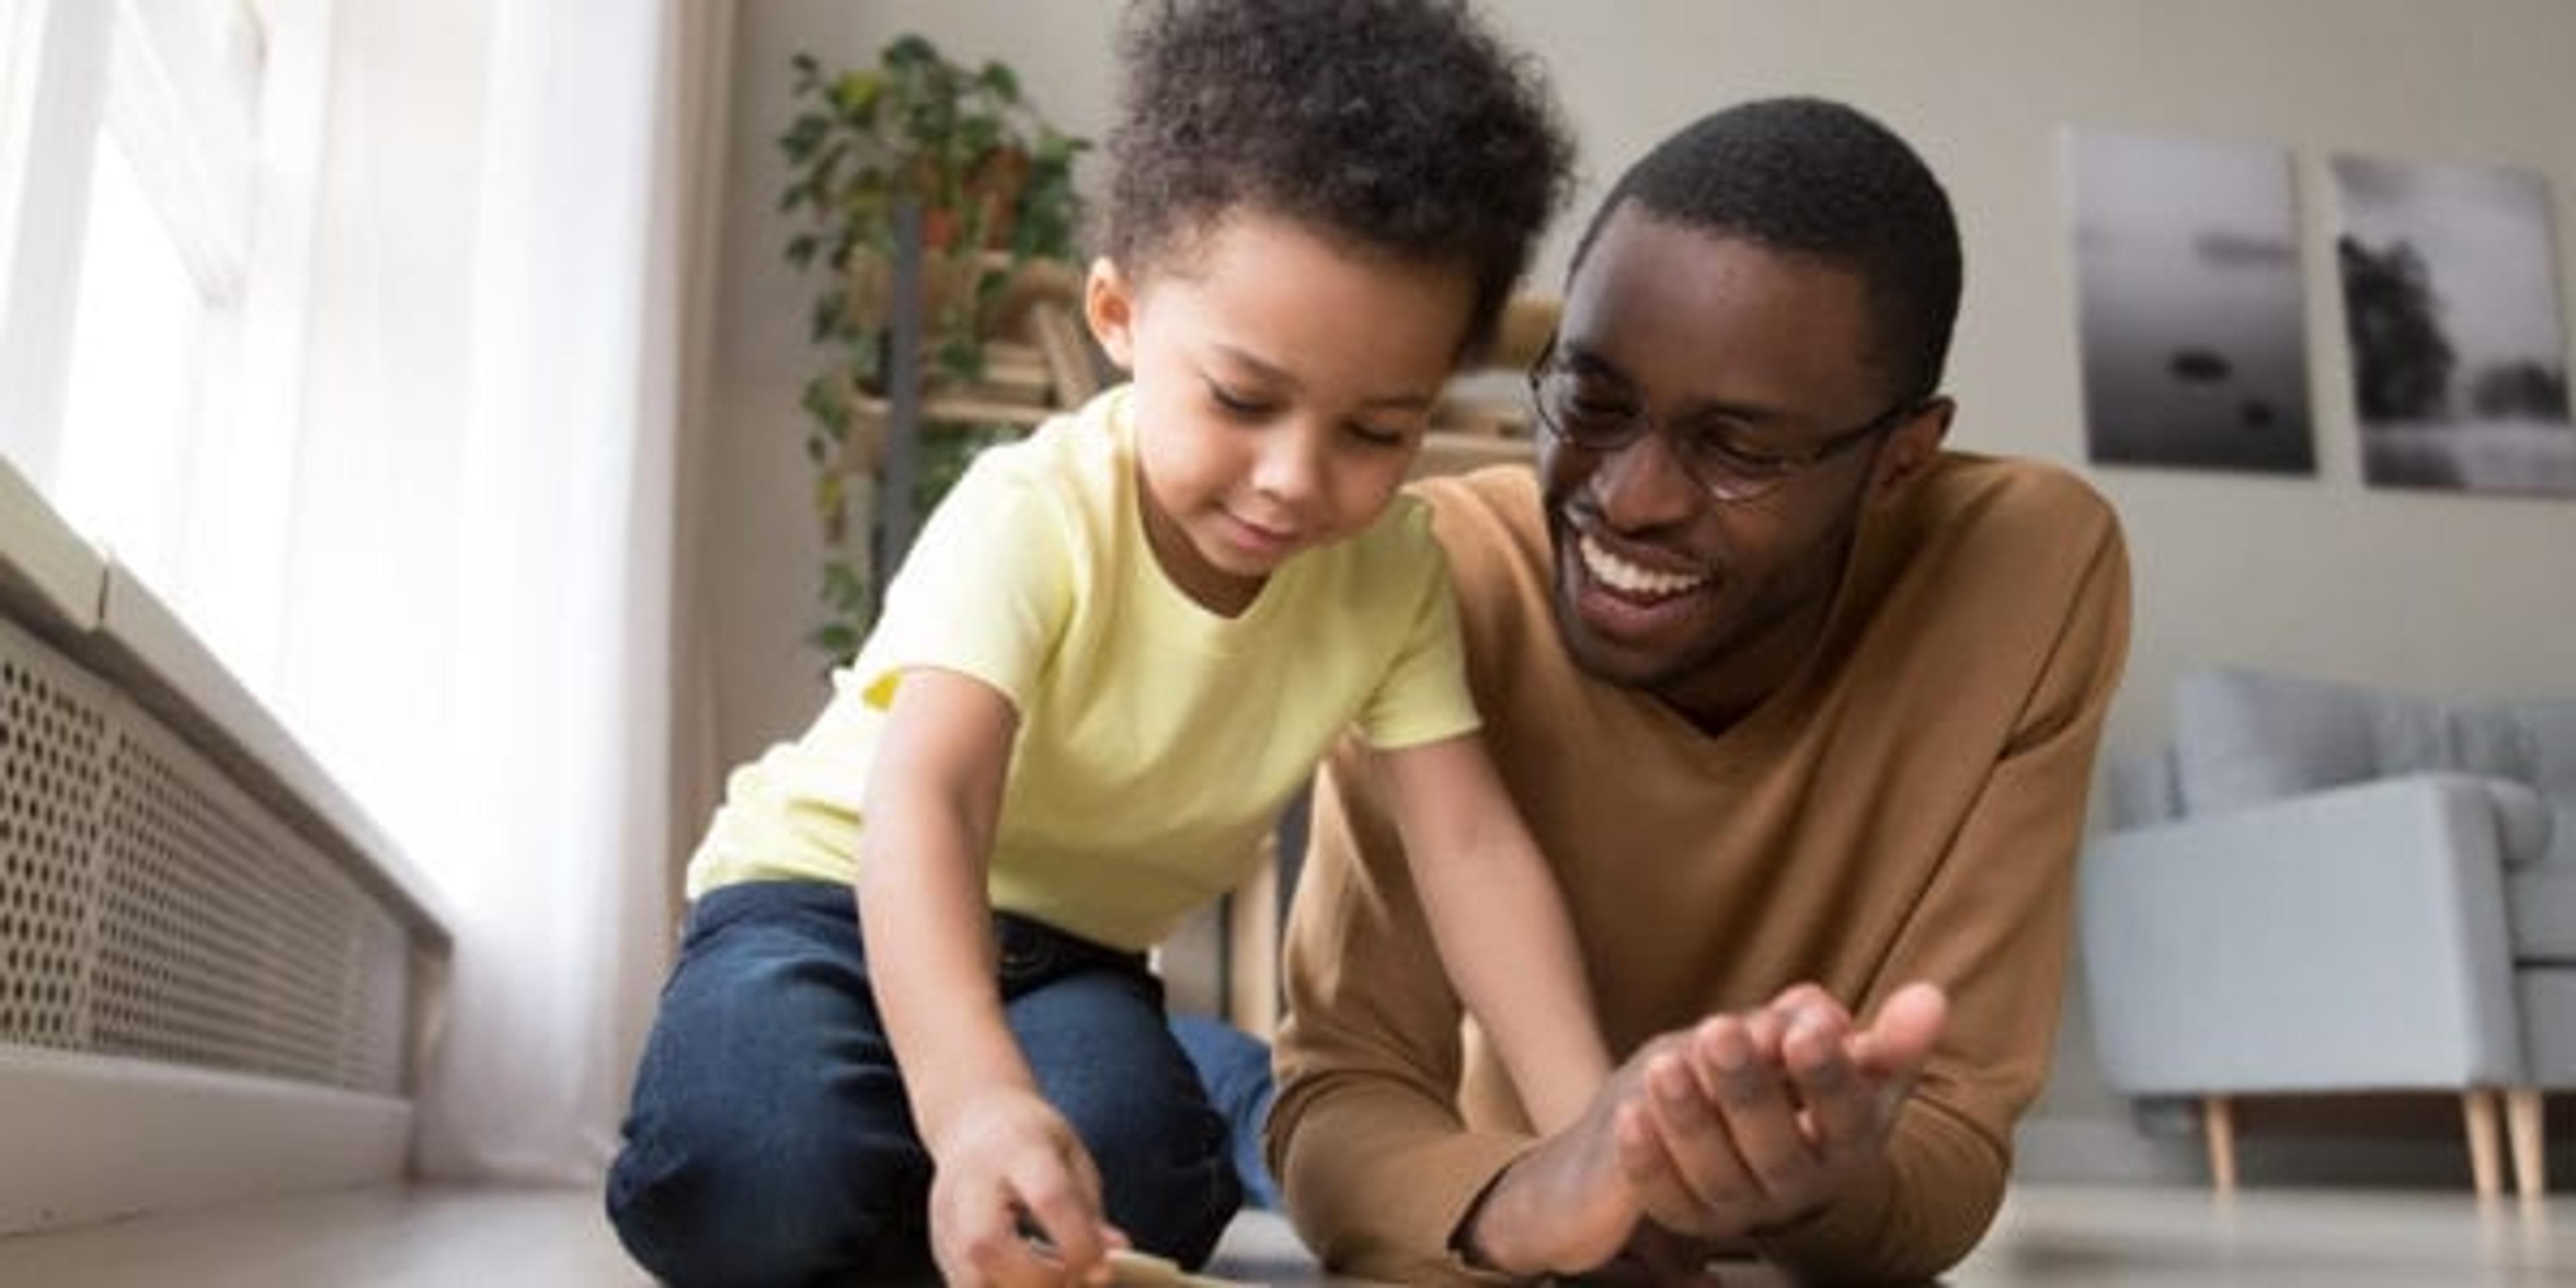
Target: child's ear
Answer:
pixel 1109 306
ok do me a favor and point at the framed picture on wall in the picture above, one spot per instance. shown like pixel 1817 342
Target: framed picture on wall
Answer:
pixel 2190 309
pixel 2450 298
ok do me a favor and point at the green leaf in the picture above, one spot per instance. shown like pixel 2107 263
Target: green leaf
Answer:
pixel 1002 81
pixel 910 50
pixel 840 639
pixel 802 136
pixel 856 93
pixel 801 248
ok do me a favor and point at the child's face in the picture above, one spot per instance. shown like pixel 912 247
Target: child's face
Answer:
pixel 1282 385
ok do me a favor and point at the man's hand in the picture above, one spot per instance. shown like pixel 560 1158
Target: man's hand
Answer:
pixel 1009 1166
pixel 1740 1124
pixel 1760 1120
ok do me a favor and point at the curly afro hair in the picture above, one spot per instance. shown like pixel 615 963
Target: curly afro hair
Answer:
pixel 1402 126
pixel 1821 179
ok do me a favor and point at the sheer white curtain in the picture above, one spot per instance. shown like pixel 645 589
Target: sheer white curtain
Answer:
pixel 479 630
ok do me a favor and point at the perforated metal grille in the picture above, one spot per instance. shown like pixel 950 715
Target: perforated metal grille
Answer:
pixel 373 1003
pixel 173 917
pixel 53 727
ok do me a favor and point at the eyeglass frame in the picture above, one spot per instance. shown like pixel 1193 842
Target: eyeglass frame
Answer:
pixel 1639 422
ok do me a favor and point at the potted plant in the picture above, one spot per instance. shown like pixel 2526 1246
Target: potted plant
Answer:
pixel 994 184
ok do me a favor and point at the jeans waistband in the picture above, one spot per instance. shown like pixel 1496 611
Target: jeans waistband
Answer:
pixel 1027 949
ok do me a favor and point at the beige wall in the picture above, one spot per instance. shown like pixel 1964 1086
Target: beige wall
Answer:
pixel 2421 592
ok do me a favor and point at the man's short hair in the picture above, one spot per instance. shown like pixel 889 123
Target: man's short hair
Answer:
pixel 1817 178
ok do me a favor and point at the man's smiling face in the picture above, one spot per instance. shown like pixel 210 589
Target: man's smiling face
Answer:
pixel 1658 584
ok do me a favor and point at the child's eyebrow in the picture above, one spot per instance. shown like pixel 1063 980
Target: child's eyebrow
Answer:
pixel 1272 373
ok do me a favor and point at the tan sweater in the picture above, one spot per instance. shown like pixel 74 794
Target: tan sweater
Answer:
pixel 1907 807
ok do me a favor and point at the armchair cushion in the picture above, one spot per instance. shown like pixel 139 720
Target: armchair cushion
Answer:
pixel 2496 741
pixel 2246 737
pixel 2550 727
pixel 2144 789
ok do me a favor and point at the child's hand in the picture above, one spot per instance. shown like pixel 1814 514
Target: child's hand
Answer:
pixel 1016 1199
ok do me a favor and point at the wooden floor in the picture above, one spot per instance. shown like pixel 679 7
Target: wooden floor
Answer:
pixel 2099 1237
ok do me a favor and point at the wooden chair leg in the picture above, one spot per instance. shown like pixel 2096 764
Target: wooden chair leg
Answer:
pixel 2523 1121
pixel 2485 1165
pixel 2218 1123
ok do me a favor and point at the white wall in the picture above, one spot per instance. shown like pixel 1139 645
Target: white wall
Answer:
pixel 2432 593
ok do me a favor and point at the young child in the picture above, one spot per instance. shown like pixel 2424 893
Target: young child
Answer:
pixel 1116 652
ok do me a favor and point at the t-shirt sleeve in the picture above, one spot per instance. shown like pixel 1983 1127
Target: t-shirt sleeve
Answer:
pixel 984 591
pixel 1423 696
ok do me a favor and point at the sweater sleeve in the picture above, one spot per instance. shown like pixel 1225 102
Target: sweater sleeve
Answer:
pixel 1366 1136
pixel 1992 928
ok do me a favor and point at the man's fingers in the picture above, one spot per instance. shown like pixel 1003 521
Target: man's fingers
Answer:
pixel 1901 1037
pixel 1841 1106
pixel 1804 996
pixel 1694 1135
pixel 1738 1069
pixel 1651 1172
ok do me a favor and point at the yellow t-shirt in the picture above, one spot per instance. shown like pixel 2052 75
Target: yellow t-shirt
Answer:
pixel 1157 741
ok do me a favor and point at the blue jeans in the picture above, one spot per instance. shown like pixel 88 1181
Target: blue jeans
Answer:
pixel 769 1141
pixel 1234 1066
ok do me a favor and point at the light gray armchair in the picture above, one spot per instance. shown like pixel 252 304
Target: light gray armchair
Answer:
pixel 2322 888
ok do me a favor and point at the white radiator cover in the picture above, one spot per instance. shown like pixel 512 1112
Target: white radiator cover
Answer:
pixel 195 1000
pixel 91 1138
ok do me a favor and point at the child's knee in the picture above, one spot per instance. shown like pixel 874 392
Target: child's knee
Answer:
pixel 1167 1172
pixel 726 1207
pixel 1179 1211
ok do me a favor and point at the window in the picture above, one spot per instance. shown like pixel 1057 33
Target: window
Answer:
pixel 136 391
pixel 157 198
pixel 164 252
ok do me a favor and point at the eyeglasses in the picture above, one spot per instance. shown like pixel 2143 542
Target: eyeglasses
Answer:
pixel 1729 470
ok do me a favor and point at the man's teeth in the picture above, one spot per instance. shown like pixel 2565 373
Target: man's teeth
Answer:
pixel 1633 579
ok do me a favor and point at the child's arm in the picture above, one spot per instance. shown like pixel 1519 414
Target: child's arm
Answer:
pixel 1500 924
pixel 1000 1149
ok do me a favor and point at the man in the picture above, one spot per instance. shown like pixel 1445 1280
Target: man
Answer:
pixel 1803 710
